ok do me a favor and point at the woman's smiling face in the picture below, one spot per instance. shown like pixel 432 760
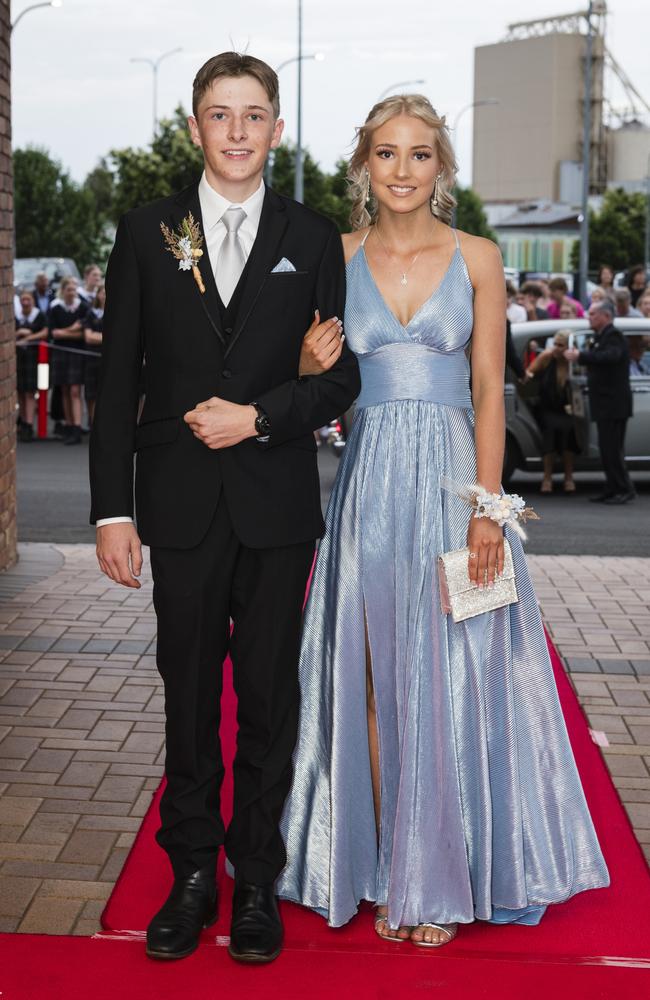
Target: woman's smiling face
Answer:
pixel 403 163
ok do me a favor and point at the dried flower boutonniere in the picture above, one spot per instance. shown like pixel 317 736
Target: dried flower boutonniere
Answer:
pixel 186 247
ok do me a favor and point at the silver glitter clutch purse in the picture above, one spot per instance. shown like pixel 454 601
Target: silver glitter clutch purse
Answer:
pixel 463 599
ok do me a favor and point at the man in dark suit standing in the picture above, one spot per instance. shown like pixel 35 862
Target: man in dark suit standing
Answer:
pixel 610 399
pixel 227 492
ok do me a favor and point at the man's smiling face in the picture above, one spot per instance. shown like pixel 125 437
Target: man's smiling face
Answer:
pixel 235 127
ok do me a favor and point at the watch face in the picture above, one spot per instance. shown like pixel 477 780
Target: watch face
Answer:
pixel 262 424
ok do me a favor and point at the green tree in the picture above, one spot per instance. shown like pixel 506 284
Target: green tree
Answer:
pixel 170 164
pixel 100 182
pixel 54 216
pixel 616 232
pixel 325 193
pixel 470 215
pixel 172 161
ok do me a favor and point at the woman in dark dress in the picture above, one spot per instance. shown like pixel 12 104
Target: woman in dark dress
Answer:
pixel 555 415
pixel 67 322
pixel 31 326
pixel 93 339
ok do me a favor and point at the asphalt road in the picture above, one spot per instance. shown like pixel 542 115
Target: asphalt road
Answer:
pixel 53 505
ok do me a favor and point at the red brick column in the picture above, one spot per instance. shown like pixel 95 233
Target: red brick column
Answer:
pixel 7 350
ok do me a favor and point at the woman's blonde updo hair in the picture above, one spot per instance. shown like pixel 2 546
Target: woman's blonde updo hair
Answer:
pixel 417 106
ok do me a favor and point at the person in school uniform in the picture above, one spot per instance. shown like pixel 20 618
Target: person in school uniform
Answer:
pixel 93 339
pixel 31 326
pixel 67 322
pixel 92 280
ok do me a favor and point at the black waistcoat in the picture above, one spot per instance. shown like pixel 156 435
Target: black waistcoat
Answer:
pixel 228 314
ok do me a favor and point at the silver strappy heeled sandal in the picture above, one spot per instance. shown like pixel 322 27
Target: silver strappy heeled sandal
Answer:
pixel 382 918
pixel 449 929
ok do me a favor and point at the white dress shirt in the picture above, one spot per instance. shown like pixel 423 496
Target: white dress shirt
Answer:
pixel 213 207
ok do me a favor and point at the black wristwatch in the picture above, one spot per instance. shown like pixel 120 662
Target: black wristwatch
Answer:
pixel 262 422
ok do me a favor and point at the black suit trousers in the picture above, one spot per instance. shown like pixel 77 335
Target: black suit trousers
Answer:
pixel 611 442
pixel 197 592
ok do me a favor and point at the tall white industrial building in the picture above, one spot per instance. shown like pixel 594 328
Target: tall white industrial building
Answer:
pixel 528 134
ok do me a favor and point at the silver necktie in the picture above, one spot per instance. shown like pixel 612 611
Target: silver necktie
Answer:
pixel 231 259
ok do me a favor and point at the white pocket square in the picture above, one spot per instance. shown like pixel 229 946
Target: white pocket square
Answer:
pixel 283 265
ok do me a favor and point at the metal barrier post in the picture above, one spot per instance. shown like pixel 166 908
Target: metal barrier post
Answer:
pixel 42 384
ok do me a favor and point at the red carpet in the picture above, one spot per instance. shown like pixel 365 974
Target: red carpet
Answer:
pixel 595 946
pixel 605 922
pixel 68 968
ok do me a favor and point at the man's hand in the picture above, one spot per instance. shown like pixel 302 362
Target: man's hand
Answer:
pixel 119 553
pixel 220 424
pixel 322 346
pixel 572 354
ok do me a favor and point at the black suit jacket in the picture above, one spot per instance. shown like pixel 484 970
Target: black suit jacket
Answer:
pixel 156 312
pixel 608 376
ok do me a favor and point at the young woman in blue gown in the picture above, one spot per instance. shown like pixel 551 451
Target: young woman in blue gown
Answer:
pixel 433 771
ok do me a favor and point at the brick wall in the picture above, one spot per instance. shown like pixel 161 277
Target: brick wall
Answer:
pixel 7 351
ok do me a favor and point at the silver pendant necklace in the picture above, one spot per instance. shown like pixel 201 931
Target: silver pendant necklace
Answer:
pixel 404 278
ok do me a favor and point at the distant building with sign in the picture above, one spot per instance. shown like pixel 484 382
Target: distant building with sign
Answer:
pixel 538 236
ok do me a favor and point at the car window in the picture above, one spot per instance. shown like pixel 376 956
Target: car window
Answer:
pixel 644 366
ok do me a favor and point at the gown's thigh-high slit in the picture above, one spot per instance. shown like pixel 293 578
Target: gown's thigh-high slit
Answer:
pixel 373 733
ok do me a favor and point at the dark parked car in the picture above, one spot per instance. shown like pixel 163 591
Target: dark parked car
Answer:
pixel 523 435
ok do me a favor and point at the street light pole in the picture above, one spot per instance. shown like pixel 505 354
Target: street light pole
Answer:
pixel 483 102
pixel 394 86
pixel 318 56
pixel 35 6
pixel 299 181
pixel 647 217
pixel 473 104
pixel 155 63
pixel 270 160
pixel 586 163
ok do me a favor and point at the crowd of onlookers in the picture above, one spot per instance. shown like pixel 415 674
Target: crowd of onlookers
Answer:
pixel 69 318
pixel 548 367
pixel 541 299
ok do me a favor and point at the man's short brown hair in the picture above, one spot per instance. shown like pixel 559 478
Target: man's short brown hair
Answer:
pixel 235 64
pixel 558 285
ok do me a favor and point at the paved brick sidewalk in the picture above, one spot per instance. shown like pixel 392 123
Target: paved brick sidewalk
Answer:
pixel 81 715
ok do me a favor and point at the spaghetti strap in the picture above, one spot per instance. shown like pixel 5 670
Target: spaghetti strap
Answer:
pixel 454 231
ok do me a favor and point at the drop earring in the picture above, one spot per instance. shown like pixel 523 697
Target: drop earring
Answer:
pixel 434 196
pixel 368 192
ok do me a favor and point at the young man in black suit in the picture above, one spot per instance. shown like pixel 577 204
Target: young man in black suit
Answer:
pixel 610 399
pixel 227 492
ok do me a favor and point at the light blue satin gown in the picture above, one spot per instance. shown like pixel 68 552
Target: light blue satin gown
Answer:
pixel 482 811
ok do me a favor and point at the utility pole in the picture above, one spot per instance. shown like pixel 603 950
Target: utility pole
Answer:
pixel 647 217
pixel 298 191
pixel 586 162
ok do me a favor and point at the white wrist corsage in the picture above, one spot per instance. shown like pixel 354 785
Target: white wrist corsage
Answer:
pixel 507 509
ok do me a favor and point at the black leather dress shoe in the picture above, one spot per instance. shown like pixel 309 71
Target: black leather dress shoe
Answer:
pixel 620 498
pixel 191 905
pixel 256 931
pixel 601 498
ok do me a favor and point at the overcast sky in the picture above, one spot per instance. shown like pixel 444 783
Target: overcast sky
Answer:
pixel 76 93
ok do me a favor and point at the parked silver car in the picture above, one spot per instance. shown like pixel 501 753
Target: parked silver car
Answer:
pixel 523 435
pixel 26 269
